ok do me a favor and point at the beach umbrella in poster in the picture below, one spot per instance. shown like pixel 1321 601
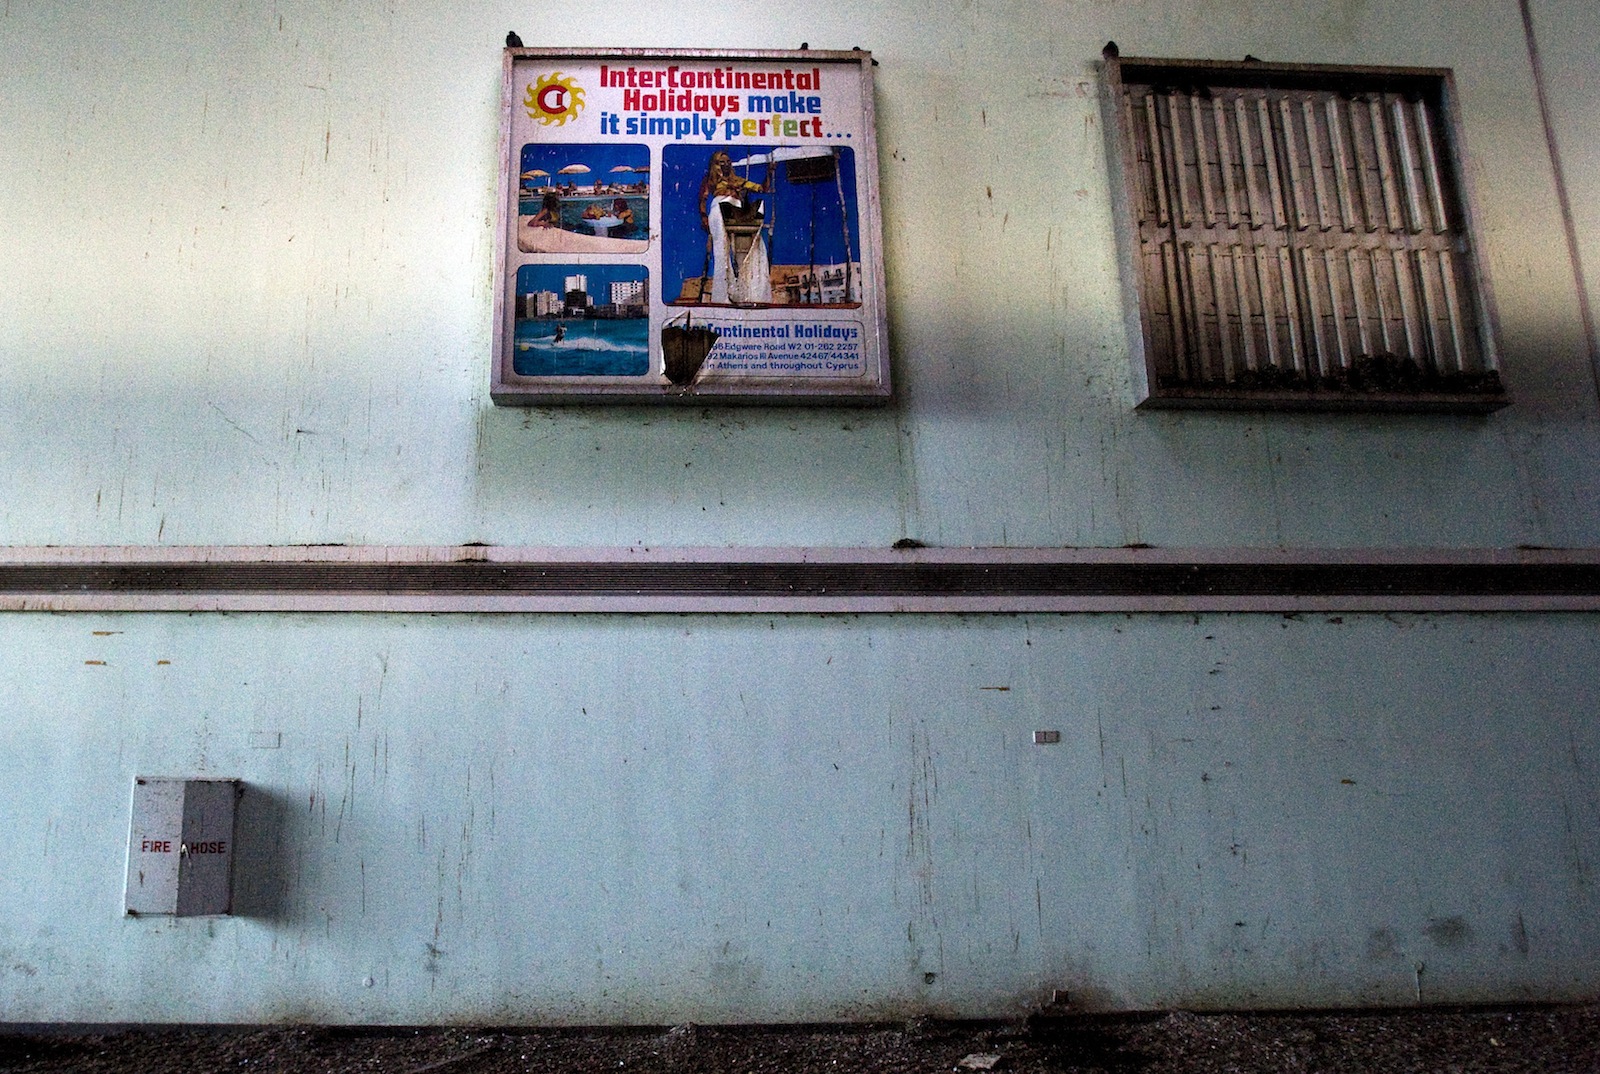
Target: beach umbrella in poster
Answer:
pixel 535 173
pixel 623 169
pixel 574 169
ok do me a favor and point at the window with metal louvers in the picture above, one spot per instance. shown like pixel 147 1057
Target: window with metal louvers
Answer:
pixel 1299 236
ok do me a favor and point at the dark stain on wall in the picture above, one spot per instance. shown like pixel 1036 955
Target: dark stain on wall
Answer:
pixel 1448 932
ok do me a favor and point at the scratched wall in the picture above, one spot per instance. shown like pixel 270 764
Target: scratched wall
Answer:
pixel 245 299
pixel 519 818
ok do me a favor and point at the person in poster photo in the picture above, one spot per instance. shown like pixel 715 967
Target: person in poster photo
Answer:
pixel 759 226
pixel 581 320
pixel 738 276
pixel 583 198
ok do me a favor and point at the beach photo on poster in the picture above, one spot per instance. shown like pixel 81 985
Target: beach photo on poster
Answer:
pixel 581 321
pixel 583 197
pixel 760 226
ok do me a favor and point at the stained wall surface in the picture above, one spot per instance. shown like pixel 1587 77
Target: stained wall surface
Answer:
pixel 245 288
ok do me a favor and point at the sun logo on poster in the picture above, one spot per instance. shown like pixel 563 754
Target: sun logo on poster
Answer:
pixel 553 99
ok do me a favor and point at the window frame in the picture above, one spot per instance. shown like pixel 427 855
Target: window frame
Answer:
pixel 1160 383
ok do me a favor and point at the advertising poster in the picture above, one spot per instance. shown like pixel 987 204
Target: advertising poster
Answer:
pixel 689 226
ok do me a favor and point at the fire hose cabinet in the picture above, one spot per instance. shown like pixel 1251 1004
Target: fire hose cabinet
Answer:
pixel 180 846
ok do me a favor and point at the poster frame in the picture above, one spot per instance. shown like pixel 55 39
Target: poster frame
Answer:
pixel 871 386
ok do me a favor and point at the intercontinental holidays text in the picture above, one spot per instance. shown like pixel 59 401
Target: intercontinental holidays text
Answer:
pixel 786 331
pixel 682 102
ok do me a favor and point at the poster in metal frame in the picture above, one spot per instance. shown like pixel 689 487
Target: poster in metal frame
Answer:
pixel 688 226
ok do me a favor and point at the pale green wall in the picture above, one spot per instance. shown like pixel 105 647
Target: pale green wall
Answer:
pixel 642 819
pixel 245 289
pixel 248 289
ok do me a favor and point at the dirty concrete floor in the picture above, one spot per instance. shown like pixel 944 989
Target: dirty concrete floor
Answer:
pixel 1551 1040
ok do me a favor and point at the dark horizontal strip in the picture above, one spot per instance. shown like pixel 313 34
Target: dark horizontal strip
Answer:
pixel 780 580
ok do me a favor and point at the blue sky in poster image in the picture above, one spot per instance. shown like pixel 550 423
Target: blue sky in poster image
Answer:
pixel 531 278
pixel 600 157
pixel 808 228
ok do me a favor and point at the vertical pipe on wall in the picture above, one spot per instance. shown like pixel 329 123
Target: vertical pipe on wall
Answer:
pixel 1563 198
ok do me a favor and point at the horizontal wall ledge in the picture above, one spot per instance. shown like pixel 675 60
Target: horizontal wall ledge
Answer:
pixel 475 578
